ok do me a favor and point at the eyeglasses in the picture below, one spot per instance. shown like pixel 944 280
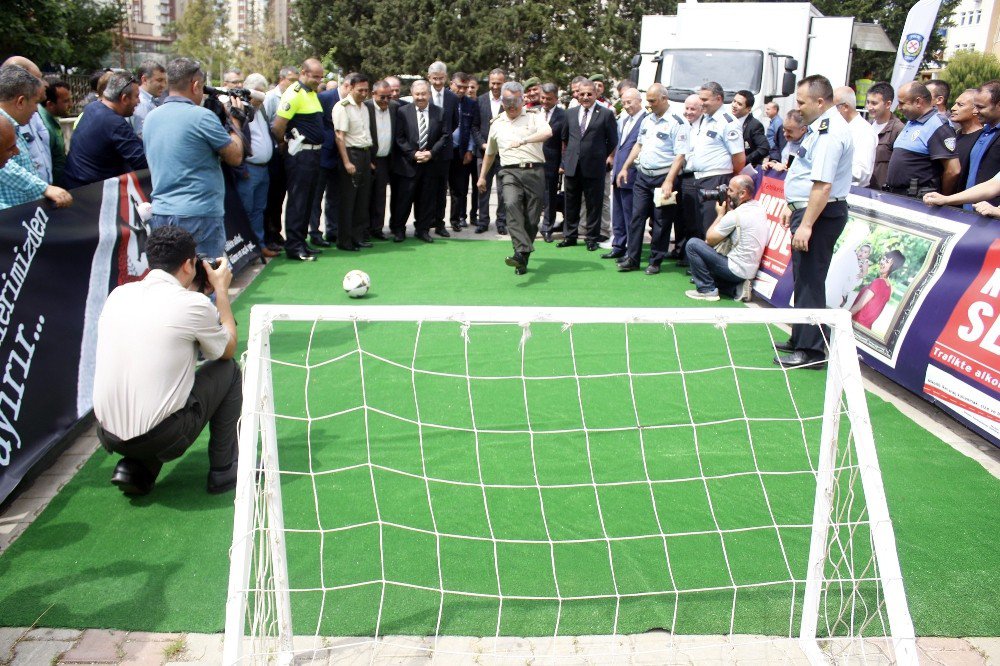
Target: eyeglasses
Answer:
pixel 510 102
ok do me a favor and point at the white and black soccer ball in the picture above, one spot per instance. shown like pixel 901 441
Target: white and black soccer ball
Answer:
pixel 356 283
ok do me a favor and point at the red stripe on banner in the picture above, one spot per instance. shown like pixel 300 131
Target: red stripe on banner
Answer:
pixel 958 402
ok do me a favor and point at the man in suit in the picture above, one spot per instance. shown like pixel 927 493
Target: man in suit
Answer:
pixel 754 136
pixel 422 134
pixel 590 137
pixel 555 116
pixel 621 210
pixel 463 150
pixel 447 101
pixel 329 162
pixel 489 108
pixel 382 118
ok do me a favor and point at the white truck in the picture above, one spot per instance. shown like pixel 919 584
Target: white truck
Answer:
pixel 763 47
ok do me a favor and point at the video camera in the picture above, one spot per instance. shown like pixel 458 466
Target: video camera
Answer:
pixel 719 194
pixel 244 94
pixel 200 274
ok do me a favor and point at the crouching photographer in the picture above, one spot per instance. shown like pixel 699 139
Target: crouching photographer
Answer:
pixel 150 403
pixel 727 260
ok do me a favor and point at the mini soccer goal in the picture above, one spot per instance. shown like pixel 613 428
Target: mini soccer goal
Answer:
pixel 557 485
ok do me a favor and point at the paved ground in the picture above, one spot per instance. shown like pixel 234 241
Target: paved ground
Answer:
pixel 27 646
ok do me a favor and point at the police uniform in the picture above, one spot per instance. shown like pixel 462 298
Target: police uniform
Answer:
pixel 710 152
pixel 355 190
pixel 661 138
pixel 825 155
pixel 916 152
pixel 301 108
pixel 522 174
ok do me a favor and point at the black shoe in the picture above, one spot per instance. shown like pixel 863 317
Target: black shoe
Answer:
pixel 300 256
pixel 627 265
pixel 442 232
pixel 363 245
pixel 567 242
pixel 482 230
pixel 318 241
pixel 347 248
pixel 652 269
pixel 502 229
pixel 675 254
pixel 518 261
pixel 275 247
pixel 378 235
pixel 457 228
pixel 463 223
pixel 222 481
pixel 614 254
pixel 592 246
pixel 785 347
pixel 398 238
pixel 602 238
pixel 547 236
pixel 424 236
pixel 801 359
pixel 312 252
pixel 682 263
pixel 132 478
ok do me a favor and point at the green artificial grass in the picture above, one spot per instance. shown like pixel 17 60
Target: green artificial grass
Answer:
pixel 97 559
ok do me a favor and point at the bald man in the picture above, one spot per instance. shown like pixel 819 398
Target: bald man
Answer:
pixel 38 144
pixel 742 220
pixel 862 133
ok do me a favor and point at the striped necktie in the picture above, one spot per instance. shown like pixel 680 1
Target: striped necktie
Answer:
pixel 422 129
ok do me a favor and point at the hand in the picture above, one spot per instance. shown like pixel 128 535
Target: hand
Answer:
pixel 60 197
pixel 785 218
pixel 373 166
pixel 934 199
pixel 481 184
pixel 220 277
pixel 800 241
pixel 561 171
pixel 516 143
pixel 622 178
pixel 777 166
pixel 483 148
pixel 667 188
pixel 467 158
pixel 721 208
pixel 350 168
pixel 984 208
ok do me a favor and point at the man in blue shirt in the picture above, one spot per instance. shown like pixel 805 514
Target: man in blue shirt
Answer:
pixel 152 83
pixel 984 158
pixel 816 190
pixel 183 143
pixel 924 153
pixel 773 127
pixel 104 144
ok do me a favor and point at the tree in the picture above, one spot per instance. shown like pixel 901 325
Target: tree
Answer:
pixel 202 34
pixel 53 33
pixel 970 69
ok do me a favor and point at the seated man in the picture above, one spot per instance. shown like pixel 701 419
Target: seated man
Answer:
pixel 150 403
pixel 742 220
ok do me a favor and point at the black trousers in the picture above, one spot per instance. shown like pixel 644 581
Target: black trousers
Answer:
pixel 418 193
pixel 809 270
pixel 551 196
pixel 380 182
pixel 580 189
pixel 304 185
pixel 355 199
pixel 275 199
pixel 458 184
pixel 698 215
pixel 664 218
pixel 216 399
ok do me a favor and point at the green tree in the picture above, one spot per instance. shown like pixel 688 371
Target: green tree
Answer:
pixel 970 69
pixel 71 33
pixel 202 34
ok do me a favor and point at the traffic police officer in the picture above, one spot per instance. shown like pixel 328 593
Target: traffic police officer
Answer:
pixel 714 154
pixel 517 135
pixel 662 136
pixel 923 155
pixel 816 190
pixel 299 120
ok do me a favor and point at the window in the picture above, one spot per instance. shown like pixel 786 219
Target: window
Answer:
pixel 979 15
pixel 961 18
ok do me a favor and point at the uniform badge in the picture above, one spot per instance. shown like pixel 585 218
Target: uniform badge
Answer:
pixel 824 125
pixel 343 102
pixel 287 106
pixel 733 134
pixel 950 143
pixel 711 135
pixel 801 152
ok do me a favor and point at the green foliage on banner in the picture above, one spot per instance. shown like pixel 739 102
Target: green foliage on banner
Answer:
pixel 970 69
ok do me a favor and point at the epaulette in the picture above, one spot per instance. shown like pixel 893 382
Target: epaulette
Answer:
pixel 728 117
pixel 531 110
pixel 677 118
pixel 824 126
pixel 494 118
pixel 298 87
pixel 344 102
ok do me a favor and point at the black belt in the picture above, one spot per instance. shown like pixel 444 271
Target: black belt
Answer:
pixel 358 148
pixel 524 165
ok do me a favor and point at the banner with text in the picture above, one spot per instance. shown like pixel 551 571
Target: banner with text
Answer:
pixel 923 288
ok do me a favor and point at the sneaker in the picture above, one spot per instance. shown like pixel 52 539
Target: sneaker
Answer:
pixel 606 245
pixel 702 296
pixel 745 292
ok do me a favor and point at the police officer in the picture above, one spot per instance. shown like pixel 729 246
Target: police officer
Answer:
pixel 517 135
pixel 714 154
pixel 299 120
pixel 662 137
pixel 816 189
pixel 923 155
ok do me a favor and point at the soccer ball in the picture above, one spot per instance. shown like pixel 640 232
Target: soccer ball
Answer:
pixel 356 284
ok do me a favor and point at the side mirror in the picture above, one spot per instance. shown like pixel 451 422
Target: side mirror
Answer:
pixel 791 64
pixel 634 74
pixel 788 79
pixel 636 61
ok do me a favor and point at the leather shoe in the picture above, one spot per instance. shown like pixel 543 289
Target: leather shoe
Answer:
pixel 424 236
pixel 457 227
pixel 311 251
pixel 442 232
pixel 652 269
pixel 592 246
pixel 614 254
pixel 347 248
pixel 268 252
pixel 363 245
pixel 482 230
pixel 502 230
pixel 300 256
pixel 378 235
pixel 785 347
pixel 627 265
pixel 320 242
pixel 398 238
pixel 567 242
pixel 222 481
pixel 518 261
pixel 801 359
pixel 547 236
pixel 132 478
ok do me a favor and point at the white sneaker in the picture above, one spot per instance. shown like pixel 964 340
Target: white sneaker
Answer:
pixel 745 292
pixel 699 296
pixel 606 245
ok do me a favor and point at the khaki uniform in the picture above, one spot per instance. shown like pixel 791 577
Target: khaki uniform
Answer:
pixel 522 174
pixel 353 120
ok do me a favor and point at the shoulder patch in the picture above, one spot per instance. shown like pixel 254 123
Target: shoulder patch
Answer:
pixel 287 106
pixel 950 143
pixel 824 126
pixel 677 118
pixel 728 117
pixel 733 134
pixel 344 102
pixel 298 87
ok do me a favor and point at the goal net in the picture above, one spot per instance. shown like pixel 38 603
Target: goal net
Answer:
pixel 532 485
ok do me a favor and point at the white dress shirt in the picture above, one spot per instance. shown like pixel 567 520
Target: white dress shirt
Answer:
pixel 865 142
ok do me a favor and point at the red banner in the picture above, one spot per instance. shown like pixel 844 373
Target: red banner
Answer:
pixel 778 253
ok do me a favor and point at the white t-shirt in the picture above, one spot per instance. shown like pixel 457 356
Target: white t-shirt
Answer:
pixel 148 339
pixel 865 142
pixel 744 259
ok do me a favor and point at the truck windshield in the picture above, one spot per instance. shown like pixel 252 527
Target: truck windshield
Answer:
pixel 684 70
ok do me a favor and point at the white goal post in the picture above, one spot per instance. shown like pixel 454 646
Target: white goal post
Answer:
pixel 259 616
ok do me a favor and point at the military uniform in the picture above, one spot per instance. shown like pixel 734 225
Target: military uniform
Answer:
pixel 355 190
pixel 825 156
pixel 522 174
pixel 714 140
pixel 916 152
pixel 300 106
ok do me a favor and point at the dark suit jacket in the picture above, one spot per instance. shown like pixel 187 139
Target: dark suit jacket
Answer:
pixel 755 141
pixel 393 110
pixel 552 147
pixel 586 156
pixel 481 123
pixel 989 165
pixel 407 134
pixel 625 148
pixel 450 113
pixel 329 157
pixel 468 112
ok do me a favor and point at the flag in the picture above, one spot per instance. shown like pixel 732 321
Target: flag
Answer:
pixel 913 42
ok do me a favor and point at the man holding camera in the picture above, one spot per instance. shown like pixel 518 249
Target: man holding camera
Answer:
pixel 741 219
pixel 183 143
pixel 150 403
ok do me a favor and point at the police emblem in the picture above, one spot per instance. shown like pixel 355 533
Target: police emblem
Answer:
pixel 912 46
pixel 733 134
pixel 950 143
pixel 824 126
pixel 287 106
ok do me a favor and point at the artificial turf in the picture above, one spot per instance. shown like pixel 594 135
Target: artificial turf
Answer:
pixel 160 563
